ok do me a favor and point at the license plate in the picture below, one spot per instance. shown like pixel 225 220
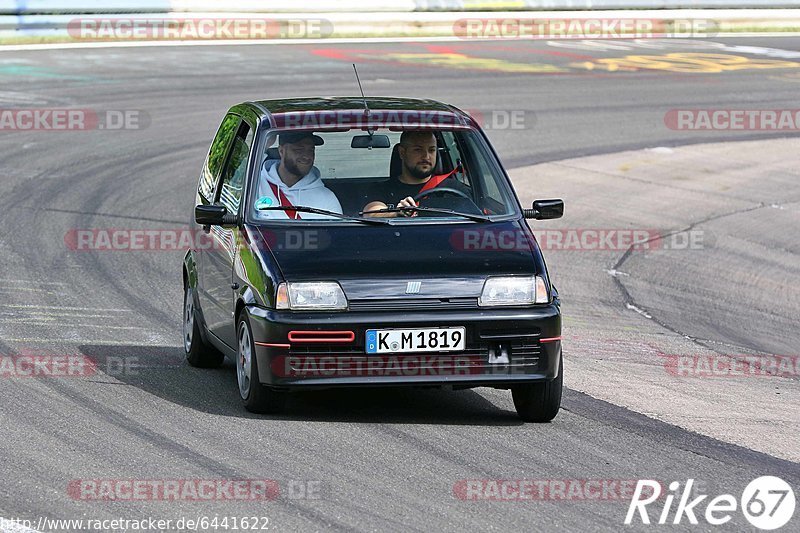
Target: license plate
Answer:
pixel 415 340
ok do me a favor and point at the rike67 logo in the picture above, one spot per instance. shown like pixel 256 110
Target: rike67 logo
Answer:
pixel 767 503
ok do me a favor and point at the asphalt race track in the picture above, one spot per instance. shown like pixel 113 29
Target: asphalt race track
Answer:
pixel 364 460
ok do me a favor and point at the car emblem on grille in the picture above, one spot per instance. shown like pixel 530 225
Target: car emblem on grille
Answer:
pixel 412 287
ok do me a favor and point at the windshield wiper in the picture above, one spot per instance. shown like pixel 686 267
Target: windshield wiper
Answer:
pixel 306 209
pixel 470 216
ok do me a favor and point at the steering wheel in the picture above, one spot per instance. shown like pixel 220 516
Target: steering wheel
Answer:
pixel 448 190
pixel 436 190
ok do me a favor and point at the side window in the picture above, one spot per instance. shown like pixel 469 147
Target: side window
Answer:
pixel 486 178
pixel 492 191
pixel 453 155
pixel 216 157
pixel 236 169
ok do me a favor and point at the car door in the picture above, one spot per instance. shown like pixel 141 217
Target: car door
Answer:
pixel 222 254
pixel 206 195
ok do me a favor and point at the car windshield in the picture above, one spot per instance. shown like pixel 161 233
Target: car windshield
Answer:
pixel 411 175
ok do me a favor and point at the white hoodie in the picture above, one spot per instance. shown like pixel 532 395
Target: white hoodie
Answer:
pixel 310 191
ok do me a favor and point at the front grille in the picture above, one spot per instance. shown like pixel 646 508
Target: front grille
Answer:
pixel 412 304
pixel 326 349
pixel 524 355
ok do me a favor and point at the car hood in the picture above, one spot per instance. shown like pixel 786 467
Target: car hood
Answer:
pixel 379 261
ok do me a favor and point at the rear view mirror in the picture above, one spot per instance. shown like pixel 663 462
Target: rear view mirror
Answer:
pixel 370 141
pixel 213 215
pixel 545 209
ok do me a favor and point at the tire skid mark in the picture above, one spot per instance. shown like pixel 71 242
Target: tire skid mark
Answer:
pixel 175 449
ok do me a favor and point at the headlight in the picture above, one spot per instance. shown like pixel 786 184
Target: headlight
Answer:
pixel 501 291
pixel 311 296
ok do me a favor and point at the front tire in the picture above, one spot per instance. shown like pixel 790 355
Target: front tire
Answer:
pixel 539 402
pixel 198 353
pixel 257 398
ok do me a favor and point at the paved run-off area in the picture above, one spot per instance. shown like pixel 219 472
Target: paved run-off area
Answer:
pixel 728 246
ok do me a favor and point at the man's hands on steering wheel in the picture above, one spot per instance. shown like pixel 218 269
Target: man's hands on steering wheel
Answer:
pixel 406 204
pixel 439 190
pixel 452 191
pixel 415 200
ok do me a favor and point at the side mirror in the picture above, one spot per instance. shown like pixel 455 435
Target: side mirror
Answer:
pixel 545 209
pixel 213 215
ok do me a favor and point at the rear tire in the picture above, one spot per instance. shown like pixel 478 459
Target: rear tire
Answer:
pixel 257 398
pixel 539 402
pixel 198 353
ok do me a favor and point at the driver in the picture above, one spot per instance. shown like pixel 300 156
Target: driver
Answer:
pixel 417 151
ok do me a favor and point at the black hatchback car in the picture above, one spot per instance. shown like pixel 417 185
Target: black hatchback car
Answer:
pixel 368 242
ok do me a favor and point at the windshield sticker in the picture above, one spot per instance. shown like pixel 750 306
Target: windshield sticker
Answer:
pixel 264 201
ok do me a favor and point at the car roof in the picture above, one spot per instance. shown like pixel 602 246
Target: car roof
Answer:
pixel 337 103
pixel 278 112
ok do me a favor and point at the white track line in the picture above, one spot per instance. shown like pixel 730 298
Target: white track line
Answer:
pixel 27 280
pixel 35 321
pixel 65 308
pixel 273 42
pixel 102 342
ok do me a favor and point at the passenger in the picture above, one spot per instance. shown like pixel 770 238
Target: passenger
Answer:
pixel 294 180
pixel 417 151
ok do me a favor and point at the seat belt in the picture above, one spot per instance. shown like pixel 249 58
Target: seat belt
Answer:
pixel 435 181
pixel 294 215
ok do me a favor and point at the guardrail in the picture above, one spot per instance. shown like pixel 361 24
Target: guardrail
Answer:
pixel 36 7
pixel 113 21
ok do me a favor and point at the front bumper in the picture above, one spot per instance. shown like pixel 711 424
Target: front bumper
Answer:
pixel 504 347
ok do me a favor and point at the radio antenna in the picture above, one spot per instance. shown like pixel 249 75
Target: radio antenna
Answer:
pixel 366 107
